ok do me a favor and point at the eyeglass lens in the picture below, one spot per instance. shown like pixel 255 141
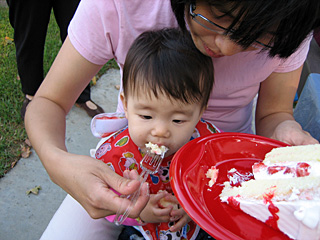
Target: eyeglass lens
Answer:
pixel 210 25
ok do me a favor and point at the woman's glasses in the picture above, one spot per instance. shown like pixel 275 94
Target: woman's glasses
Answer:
pixel 208 24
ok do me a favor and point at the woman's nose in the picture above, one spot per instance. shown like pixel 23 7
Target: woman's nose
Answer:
pixel 226 45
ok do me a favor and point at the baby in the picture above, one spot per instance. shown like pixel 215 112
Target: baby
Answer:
pixel 166 87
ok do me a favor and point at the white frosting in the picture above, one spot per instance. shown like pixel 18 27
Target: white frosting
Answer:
pixel 309 214
pixel 232 177
pixel 156 149
pixel 298 220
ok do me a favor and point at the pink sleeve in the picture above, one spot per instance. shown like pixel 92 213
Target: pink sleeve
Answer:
pixel 104 29
pixel 89 33
pixel 296 59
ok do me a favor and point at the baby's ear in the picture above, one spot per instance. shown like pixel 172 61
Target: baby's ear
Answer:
pixel 124 101
pixel 203 110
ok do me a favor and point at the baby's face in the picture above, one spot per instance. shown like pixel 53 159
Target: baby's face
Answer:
pixel 160 120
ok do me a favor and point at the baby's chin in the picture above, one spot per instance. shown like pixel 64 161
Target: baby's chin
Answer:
pixel 171 152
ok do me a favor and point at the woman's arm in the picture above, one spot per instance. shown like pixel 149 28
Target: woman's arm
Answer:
pixel 83 177
pixel 274 114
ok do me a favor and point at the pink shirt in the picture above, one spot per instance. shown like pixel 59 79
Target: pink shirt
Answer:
pixel 104 29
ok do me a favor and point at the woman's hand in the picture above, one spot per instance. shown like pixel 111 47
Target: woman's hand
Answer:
pixel 274 113
pixel 86 179
pixel 291 133
pixel 89 182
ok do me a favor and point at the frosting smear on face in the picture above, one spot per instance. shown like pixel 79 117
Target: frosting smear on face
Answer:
pixel 284 192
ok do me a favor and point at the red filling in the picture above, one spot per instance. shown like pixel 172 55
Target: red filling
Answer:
pixel 272 221
pixel 237 177
pixel 302 169
pixel 234 203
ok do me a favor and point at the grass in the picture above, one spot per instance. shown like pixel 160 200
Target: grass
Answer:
pixel 12 129
pixel 13 133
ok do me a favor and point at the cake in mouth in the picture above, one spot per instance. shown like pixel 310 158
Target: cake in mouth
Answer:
pixel 156 149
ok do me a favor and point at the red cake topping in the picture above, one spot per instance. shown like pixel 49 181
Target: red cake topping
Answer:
pixel 303 169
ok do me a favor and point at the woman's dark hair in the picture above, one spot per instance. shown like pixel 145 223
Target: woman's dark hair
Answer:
pixel 167 62
pixel 289 21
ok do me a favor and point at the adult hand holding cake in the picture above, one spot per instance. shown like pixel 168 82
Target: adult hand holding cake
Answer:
pixel 285 191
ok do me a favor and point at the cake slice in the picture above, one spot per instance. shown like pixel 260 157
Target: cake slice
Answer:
pixel 285 191
pixel 309 153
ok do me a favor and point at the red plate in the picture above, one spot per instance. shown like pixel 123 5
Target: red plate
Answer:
pixel 202 203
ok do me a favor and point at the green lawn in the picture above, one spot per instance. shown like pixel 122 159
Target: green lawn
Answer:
pixel 12 129
pixel 13 133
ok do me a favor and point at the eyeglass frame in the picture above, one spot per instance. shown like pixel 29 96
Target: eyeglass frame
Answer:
pixel 194 15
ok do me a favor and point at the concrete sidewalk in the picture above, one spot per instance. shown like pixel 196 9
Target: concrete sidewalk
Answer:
pixel 25 216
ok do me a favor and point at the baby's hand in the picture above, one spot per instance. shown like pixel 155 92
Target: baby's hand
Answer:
pixel 153 213
pixel 168 200
pixel 177 215
pixel 182 217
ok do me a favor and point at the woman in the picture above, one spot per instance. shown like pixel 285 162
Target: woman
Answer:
pixel 256 46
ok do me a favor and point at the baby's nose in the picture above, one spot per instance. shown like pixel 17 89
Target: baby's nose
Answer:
pixel 161 130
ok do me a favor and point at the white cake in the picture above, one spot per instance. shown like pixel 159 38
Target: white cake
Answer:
pixel 156 149
pixel 285 191
pixel 212 173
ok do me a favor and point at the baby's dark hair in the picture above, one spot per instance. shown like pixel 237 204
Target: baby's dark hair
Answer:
pixel 167 62
pixel 289 21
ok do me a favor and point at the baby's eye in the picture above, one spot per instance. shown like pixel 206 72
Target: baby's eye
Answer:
pixel 145 117
pixel 178 121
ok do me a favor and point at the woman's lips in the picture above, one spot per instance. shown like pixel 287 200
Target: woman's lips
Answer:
pixel 211 53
